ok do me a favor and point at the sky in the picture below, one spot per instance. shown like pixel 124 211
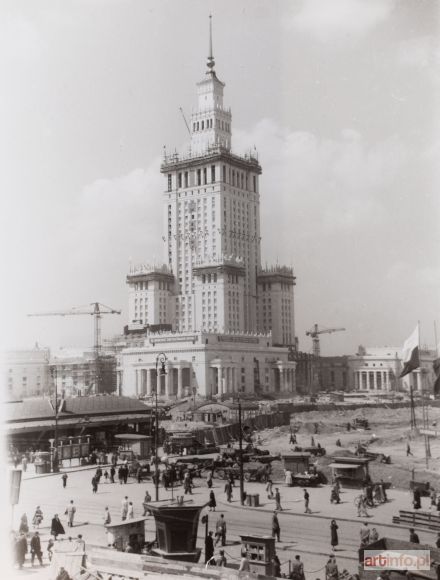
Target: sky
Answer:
pixel 340 99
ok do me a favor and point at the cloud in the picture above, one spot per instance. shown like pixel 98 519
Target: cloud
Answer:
pixel 339 19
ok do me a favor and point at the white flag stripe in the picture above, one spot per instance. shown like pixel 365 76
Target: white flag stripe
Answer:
pixel 410 344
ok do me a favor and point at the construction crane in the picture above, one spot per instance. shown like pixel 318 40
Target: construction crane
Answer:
pixel 315 332
pixel 97 310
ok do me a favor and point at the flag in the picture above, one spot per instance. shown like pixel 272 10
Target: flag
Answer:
pixel 410 353
pixel 436 365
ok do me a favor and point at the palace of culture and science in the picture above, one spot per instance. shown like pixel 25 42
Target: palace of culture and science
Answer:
pixel 223 322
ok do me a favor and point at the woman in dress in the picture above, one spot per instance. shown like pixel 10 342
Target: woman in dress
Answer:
pixel 38 517
pixel 212 503
pixel 334 540
pixel 24 526
pixel 56 527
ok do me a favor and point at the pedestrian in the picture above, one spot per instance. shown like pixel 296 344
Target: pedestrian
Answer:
pixel 312 441
pixel 24 526
pixel 417 499
pixel 288 478
pixel 433 497
pixel 130 513
pixel 276 566
pixel 121 474
pixel 209 549
pixel 437 542
pixel 50 545
pixel 359 502
pixel 64 479
pixel 209 481
pixel 374 535
pixel 70 512
pixel 56 527
pixel 334 495
pixel 334 539
pixel 187 485
pixel 146 501
pixel 112 474
pixel 331 569
pixel 231 478
pixel 408 449
pixel 125 471
pixel 94 484
pixel 220 530
pixel 38 517
pixel 413 537
pixel 124 508
pixel 21 549
pixel 106 476
pixel 278 500
pixel 221 560
pixel 212 504
pixel 98 474
pixel 107 516
pixel 307 510
pixel 244 564
pixel 276 530
pixel 36 549
pixel 383 492
pixel 228 491
pixel 297 569
pixel 80 545
pixel 269 489
pixel 24 463
pixel 63 574
pixel 365 535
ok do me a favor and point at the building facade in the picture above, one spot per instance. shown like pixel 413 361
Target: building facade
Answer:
pixel 26 373
pixel 377 369
pixel 211 292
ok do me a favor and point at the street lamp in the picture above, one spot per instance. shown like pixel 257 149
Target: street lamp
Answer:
pixel 160 360
pixel 240 443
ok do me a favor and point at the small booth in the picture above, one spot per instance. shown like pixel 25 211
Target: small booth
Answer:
pixel 120 534
pixel 134 445
pixel 260 551
pixel 296 462
pixel 351 472
pixel 176 531
pixel 42 462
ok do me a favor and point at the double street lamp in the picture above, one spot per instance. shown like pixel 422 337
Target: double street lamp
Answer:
pixel 160 370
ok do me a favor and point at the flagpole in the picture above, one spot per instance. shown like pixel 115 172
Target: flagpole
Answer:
pixel 424 406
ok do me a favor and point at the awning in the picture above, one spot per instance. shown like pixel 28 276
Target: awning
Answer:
pixel 344 465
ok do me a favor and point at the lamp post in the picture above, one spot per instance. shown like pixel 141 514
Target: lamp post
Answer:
pixel 160 360
pixel 240 443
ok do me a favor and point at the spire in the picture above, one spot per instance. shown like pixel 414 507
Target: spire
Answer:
pixel 211 62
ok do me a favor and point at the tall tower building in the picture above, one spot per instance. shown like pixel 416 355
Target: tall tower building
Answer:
pixel 211 280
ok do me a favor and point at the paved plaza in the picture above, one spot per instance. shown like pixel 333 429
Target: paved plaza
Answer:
pixel 303 534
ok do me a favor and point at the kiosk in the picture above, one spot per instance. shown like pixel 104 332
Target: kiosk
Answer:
pixel 260 551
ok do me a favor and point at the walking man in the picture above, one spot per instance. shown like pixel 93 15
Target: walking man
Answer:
pixel 112 474
pixel 70 513
pixel 276 530
pixel 408 450
pixel 297 572
pixel 94 484
pixel 36 549
pixel 64 478
pixel 365 535
pixel 278 500
pixel 220 530
pixel 124 508
pixel 307 510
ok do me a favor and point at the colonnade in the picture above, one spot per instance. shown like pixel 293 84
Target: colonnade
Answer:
pixel 373 380
pixel 148 381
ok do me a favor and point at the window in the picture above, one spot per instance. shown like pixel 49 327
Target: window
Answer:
pixel 205 178
pixel 169 181
pixel 224 173
pixel 212 173
pixel 199 177
pixel 186 178
pixel 254 178
pixel 179 180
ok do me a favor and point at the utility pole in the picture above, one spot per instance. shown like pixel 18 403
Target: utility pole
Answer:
pixel 413 423
pixel 240 443
pixel 54 458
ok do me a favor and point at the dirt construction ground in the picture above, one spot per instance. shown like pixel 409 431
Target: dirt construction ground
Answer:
pixel 389 434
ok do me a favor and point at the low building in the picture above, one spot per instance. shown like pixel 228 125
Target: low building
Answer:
pixel 333 373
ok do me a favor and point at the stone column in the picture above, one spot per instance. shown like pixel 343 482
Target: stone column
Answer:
pixel 118 382
pixel 220 380
pixel 148 371
pixel 375 380
pixel 179 382
pixel 136 380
